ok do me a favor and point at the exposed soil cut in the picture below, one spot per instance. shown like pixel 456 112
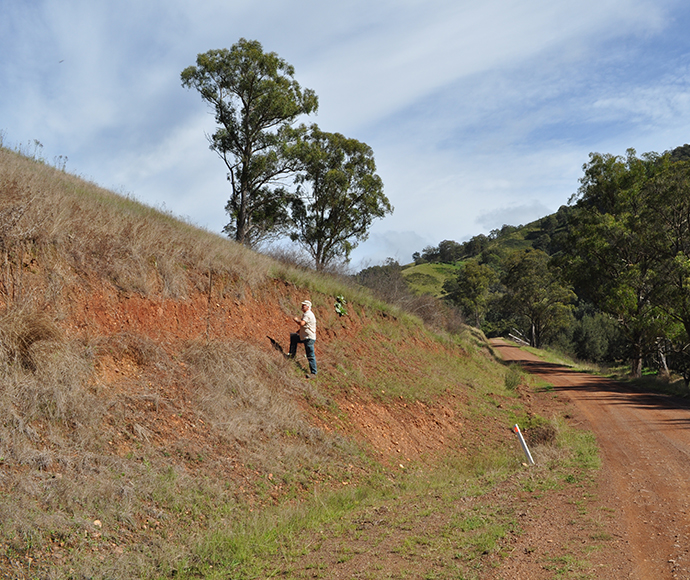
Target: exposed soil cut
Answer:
pixel 637 523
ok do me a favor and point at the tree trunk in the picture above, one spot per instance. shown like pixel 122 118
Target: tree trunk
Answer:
pixel 533 336
pixel 241 231
pixel 636 362
pixel 662 359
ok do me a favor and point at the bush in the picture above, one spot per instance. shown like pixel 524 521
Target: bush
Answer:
pixel 597 338
pixel 388 284
pixel 539 431
pixel 513 377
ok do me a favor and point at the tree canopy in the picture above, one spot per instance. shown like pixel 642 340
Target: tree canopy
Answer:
pixel 610 257
pixel 471 290
pixel 339 195
pixel 256 102
pixel 536 294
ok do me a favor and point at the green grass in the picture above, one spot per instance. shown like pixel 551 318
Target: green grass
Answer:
pixel 429 278
pixel 567 567
pixel 674 386
pixel 553 356
pixel 513 378
pixel 650 381
pixel 436 514
pixel 427 374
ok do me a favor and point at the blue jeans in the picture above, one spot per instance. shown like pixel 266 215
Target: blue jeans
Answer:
pixel 308 348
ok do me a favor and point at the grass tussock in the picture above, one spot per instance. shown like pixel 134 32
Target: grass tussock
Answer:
pixel 21 333
pixel 250 397
pixel 513 377
pixel 43 378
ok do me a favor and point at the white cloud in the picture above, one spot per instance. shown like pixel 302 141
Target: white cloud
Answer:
pixel 398 245
pixel 659 105
pixel 477 112
pixel 514 215
pixel 439 43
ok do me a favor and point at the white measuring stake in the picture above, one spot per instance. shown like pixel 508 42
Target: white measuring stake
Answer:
pixel 524 445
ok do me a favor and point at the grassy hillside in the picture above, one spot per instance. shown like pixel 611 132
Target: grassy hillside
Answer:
pixel 428 278
pixel 150 428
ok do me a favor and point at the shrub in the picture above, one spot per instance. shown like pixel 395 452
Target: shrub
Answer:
pixel 539 431
pixel 513 377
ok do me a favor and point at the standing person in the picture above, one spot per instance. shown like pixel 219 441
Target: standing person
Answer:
pixel 306 335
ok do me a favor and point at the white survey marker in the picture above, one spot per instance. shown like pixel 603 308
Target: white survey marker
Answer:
pixel 524 444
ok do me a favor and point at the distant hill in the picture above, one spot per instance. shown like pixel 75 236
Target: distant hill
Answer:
pixel 431 268
pixel 429 271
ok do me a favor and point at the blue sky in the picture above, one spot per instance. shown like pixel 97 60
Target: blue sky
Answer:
pixel 479 114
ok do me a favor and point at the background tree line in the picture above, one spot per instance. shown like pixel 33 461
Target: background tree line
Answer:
pixel 319 189
pixel 607 277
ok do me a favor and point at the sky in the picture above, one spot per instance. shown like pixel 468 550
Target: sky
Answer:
pixel 480 114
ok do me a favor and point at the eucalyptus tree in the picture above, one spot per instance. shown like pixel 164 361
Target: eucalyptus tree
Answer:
pixel 450 251
pixel 338 195
pixel 610 256
pixel 256 101
pixel 667 197
pixel 472 290
pixel 536 295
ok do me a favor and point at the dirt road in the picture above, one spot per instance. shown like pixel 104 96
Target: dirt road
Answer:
pixel 645 448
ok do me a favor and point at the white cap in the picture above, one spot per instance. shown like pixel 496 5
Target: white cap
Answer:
pixel 307 303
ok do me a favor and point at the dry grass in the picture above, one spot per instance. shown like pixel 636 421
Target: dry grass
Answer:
pixel 72 496
pixel 86 431
pixel 20 332
pixel 43 379
pixel 96 232
pixel 249 396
